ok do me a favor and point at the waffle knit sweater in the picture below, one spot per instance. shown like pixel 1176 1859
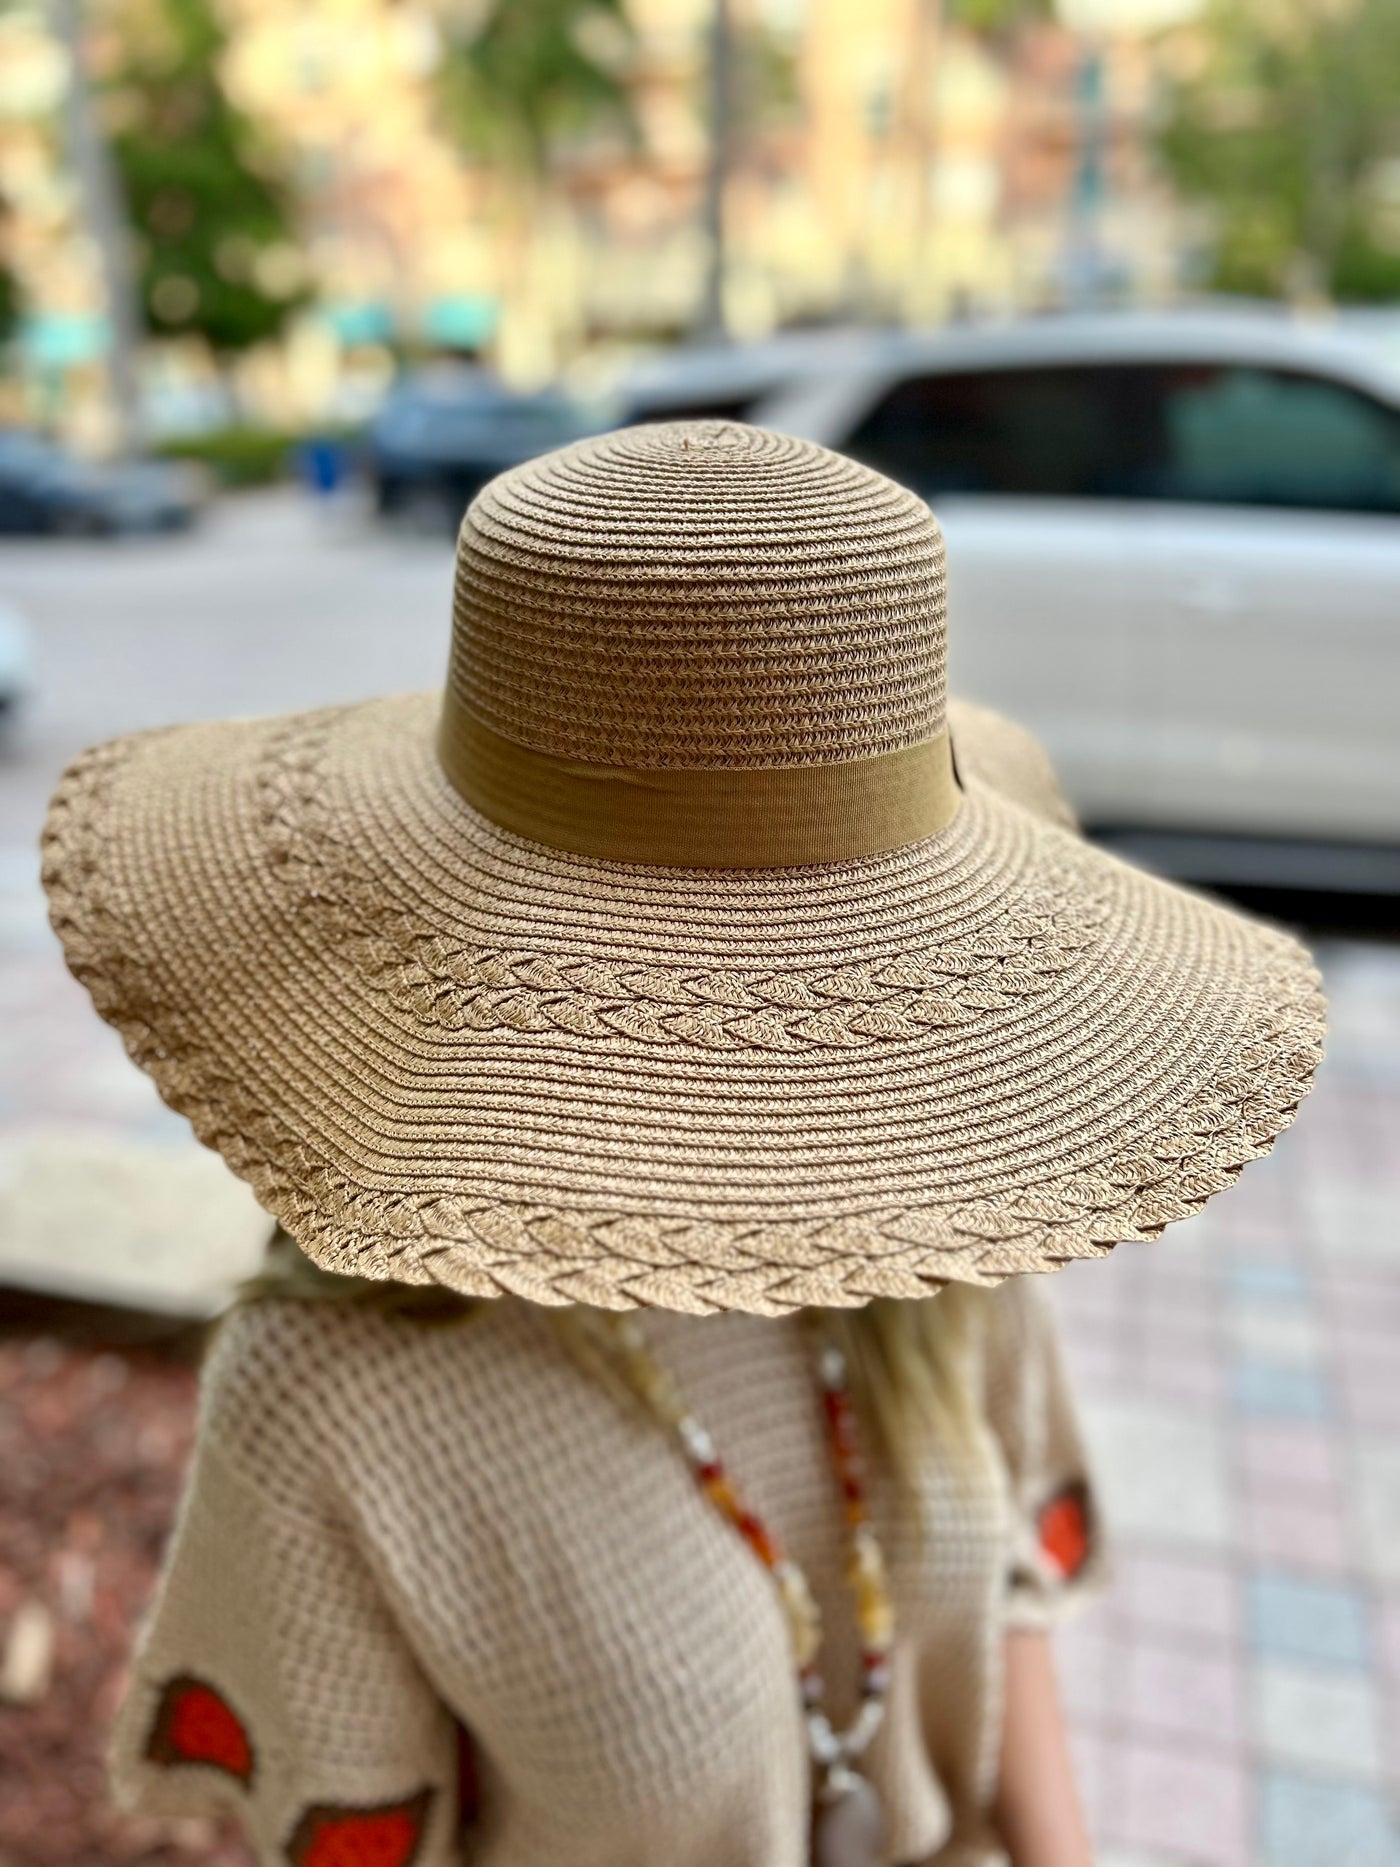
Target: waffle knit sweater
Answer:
pixel 421 1570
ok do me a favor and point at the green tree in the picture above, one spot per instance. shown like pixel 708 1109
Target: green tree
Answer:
pixel 529 78
pixel 1290 132
pixel 10 306
pixel 535 73
pixel 996 18
pixel 210 213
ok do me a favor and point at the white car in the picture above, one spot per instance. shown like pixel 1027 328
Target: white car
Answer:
pixel 1174 551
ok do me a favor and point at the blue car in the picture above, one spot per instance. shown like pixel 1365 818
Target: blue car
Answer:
pixel 441 435
pixel 45 490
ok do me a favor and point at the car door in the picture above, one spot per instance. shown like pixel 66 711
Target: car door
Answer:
pixel 1268 562
pixel 1025 468
pixel 1038 594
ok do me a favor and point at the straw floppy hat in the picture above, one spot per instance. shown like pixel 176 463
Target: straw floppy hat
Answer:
pixel 675 956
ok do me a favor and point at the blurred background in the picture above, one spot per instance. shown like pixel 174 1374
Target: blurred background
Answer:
pixel 1115 284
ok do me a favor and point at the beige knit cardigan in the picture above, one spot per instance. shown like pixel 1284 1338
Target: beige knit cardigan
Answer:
pixel 394 1535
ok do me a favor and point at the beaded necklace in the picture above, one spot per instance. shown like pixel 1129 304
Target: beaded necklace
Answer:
pixel 848 1823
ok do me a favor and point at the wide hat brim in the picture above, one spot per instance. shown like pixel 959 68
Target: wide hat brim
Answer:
pixel 441 1053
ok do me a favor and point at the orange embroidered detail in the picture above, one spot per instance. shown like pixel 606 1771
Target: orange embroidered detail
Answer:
pixel 331 1835
pixel 1063 1529
pixel 195 1724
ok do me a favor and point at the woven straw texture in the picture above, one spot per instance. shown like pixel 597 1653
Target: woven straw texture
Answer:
pixel 441 1052
pixel 701 594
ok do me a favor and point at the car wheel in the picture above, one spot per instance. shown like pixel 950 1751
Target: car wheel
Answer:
pixel 427 511
pixel 75 523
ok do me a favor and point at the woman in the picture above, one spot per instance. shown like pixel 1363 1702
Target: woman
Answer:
pixel 670 997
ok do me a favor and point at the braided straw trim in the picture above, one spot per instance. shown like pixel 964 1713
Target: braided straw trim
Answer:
pixel 477 989
pixel 460 986
pixel 619 1259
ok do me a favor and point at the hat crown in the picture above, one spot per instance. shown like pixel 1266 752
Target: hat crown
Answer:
pixel 700 595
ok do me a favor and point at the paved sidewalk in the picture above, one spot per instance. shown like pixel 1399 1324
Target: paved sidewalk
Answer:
pixel 1236 1695
pixel 98 1179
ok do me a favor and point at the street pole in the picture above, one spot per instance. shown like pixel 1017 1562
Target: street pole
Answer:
pixel 1085 264
pixel 104 213
pixel 711 322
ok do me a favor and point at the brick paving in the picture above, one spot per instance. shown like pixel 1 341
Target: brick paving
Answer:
pixel 1235 1695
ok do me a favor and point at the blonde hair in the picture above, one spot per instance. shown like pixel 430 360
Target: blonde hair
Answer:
pixel 909 1362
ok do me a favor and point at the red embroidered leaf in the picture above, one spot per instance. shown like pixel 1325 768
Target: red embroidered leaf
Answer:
pixel 195 1724
pixel 1063 1529
pixel 331 1835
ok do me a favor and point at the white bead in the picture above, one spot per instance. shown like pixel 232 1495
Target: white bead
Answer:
pixel 823 1742
pixel 831 1367
pixel 865 1724
pixel 699 1447
pixel 865 1546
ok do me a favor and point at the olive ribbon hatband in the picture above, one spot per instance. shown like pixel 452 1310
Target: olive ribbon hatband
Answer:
pixel 767 817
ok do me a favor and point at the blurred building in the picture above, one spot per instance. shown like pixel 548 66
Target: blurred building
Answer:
pixel 59 340
pixel 913 172
pixel 884 165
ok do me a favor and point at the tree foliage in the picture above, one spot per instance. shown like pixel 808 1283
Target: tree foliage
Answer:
pixel 210 213
pixel 996 18
pixel 1290 132
pixel 534 72
pixel 9 303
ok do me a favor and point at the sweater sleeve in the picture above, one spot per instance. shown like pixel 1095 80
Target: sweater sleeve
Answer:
pixel 271 1681
pixel 1056 1555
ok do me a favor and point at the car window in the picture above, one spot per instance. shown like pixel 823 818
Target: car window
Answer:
pixel 26 452
pixel 1269 437
pixel 445 429
pixel 718 407
pixel 1218 433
